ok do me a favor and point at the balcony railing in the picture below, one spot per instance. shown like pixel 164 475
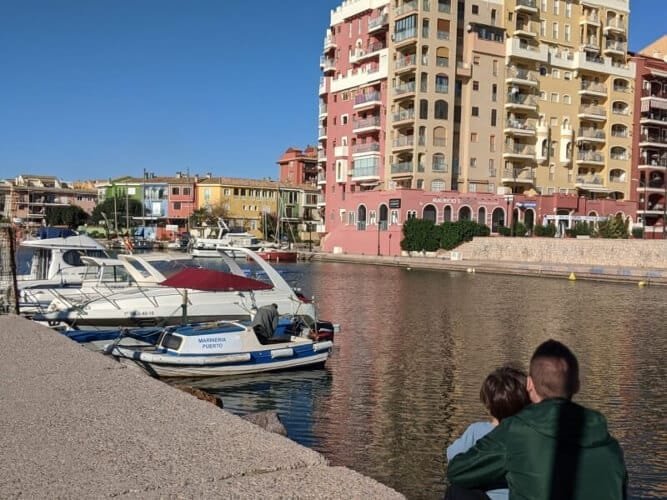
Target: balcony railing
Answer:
pixel 657 139
pixel 403 141
pixel 442 88
pixel 322 132
pixel 405 8
pixel 523 99
pixel 592 18
pixel 327 62
pixel 527 3
pixel 442 62
pixel 592 110
pixel 620 110
pixel 520 124
pixel 370 171
pixel 443 35
pixel 404 62
pixel 590 156
pixel 402 167
pixel 439 166
pixel 444 7
pixel 590 180
pixel 366 147
pixel 399 36
pixel 593 86
pixel 654 93
pixel 615 45
pixel 373 121
pixel 518 175
pixel 376 22
pixel 522 74
pixel 520 149
pixel 591 133
pixel 367 97
pixel 615 23
pixel 323 109
pixel 404 88
pixel 404 114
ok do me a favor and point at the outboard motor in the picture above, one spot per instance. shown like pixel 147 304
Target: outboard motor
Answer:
pixel 324 331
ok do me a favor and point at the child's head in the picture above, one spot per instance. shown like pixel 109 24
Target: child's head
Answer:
pixel 504 392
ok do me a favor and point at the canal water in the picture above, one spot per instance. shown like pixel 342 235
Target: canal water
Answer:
pixel 415 346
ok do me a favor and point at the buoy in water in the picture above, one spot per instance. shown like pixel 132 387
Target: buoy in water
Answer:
pixel 408 269
pixel 471 269
pixel 642 283
pixel 572 277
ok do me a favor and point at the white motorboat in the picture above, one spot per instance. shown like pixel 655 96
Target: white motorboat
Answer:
pixel 207 240
pixel 56 261
pixel 101 277
pixel 224 348
pixel 200 295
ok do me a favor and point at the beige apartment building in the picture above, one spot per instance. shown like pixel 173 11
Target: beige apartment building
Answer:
pixel 490 96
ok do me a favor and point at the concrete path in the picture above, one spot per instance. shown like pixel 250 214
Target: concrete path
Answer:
pixel 621 274
pixel 77 424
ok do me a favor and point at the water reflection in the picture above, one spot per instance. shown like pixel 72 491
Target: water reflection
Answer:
pixel 404 379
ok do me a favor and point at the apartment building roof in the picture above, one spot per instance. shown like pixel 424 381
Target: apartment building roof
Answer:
pixel 268 184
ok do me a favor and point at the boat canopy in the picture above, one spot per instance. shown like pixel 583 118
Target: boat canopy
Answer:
pixel 210 280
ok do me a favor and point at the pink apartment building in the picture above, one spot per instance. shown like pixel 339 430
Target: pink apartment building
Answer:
pixel 418 118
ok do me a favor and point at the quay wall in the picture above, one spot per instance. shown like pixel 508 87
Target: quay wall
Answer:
pixel 78 424
pixel 646 254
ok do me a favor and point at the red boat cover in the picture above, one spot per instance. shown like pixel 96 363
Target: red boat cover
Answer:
pixel 210 280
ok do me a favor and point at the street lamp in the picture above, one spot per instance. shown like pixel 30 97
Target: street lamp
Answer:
pixel 378 223
pixel 310 236
pixel 509 199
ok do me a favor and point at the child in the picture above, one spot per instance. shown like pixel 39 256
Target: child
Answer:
pixel 503 393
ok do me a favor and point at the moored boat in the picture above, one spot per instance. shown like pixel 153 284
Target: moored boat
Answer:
pixel 225 348
pixel 277 255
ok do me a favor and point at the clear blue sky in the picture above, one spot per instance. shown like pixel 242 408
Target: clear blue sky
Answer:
pixel 97 89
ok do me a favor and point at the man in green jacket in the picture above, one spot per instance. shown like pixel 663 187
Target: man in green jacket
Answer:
pixel 554 448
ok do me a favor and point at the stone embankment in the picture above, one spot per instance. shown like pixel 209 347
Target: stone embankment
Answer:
pixel 638 261
pixel 77 424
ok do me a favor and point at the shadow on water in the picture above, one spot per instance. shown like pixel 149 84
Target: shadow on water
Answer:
pixel 415 346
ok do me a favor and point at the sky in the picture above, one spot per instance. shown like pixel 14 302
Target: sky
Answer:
pixel 93 89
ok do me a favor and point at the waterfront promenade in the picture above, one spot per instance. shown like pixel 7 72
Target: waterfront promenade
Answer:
pixel 79 424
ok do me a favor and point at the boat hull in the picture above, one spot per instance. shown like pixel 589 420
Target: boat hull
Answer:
pixel 278 256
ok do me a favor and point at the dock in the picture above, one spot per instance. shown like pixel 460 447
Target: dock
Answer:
pixel 77 423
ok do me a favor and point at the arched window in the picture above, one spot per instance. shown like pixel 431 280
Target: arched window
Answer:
pixel 619 130
pixel 545 147
pixel 429 213
pixel 440 137
pixel 361 217
pixel 618 153
pixel 423 109
pixel 481 215
pixel 465 213
pixel 621 85
pixel 620 108
pixel 497 219
pixel 568 151
pixel 441 110
pixel 617 175
pixel 442 57
pixel 441 84
pixel 447 214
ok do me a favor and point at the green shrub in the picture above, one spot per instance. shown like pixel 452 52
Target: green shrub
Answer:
pixel 421 235
pixel 638 232
pixel 520 229
pixel 504 231
pixel 548 231
pixel 614 227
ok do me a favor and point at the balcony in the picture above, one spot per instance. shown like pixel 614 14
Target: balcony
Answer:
pixel 614 25
pixel 403 142
pixel 403 117
pixel 590 18
pixel 367 100
pixel 362 54
pixel 378 23
pixel 594 113
pixel 405 9
pixel 370 124
pixel 593 88
pixel 341 151
pixel 590 183
pixel 321 134
pixel 616 48
pixel 405 63
pixel 439 166
pixel 653 161
pixel 520 76
pixel 652 140
pixel 521 102
pixel 463 69
pixel 444 7
pixel 527 6
pixel 517 176
pixel 519 127
pixel 590 158
pixel 526 29
pixel 588 134
pixel 366 148
pixel 654 117
pixel 519 151
pixel 329 42
pixel 658 94
pixel 323 110
pixel 327 64
pixel 403 167
pixel 321 179
pixel 443 35
pixel 404 90
pixel 321 202
pixel 516 47
pixel 321 156
pixel 405 35
pixel 370 172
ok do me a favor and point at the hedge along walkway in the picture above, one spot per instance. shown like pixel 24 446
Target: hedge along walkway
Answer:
pixel 78 424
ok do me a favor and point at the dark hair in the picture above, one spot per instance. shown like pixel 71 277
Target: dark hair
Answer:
pixel 504 393
pixel 554 370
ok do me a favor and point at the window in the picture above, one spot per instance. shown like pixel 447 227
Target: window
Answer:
pixel 556 7
pixel 567 99
pixel 437 185
pixel 495 67
pixel 567 76
pixel 544 5
pixel 475 9
pixel 494 92
pixel 568 8
pixel 552 172
pixel 441 110
pixel 473 162
pixel 175 191
pixel 423 109
pixel 475 85
pixel 186 191
pixel 343 119
pixel 554 31
pixel 543 28
pixel 494 117
pixel 475 111
pixel 567 33
pixel 555 73
pixel 492 143
pixel 553 121
pixel 177 205
pixel 474 137
pixel 475 60
pixel 554 97
pixel 441 84
pixel 346 96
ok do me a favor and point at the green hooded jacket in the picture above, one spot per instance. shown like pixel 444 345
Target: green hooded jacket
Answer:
pixel 555 449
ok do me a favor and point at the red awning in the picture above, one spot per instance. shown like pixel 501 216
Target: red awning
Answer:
pixel 210 280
